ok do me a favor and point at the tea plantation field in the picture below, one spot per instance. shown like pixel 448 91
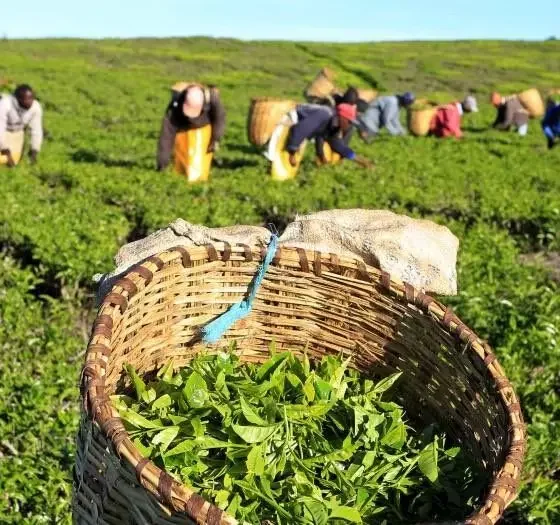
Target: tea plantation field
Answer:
pixel 95 188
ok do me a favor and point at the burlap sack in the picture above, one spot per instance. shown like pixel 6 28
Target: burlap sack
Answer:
pixel 416 251
pixel 178 233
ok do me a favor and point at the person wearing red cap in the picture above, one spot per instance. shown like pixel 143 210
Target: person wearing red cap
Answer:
pixel 325 124
pixel 192 108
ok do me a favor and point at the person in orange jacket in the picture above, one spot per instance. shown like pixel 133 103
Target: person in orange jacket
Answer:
pixel 447 120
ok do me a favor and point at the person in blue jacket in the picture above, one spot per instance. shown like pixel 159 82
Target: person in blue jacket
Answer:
pixel 551 125
pixel 324 123
pixel 384 112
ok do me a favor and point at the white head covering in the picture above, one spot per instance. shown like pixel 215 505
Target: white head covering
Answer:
pixel 194 102
pixel 470 104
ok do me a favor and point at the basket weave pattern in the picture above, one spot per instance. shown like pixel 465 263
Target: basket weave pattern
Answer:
pixel 330 305
pixel 322 85
pixel 532 102
pixel 419 120
pixel 264 116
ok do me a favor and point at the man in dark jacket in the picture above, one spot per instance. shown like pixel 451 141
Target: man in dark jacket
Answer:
pixel 194 107
pixel 323 123
pixel 510 112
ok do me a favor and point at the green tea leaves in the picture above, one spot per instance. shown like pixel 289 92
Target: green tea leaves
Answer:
pixel 287 442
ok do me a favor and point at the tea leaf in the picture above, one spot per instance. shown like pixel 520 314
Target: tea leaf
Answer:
pixel 196 391
pixel 137 420
pixel 255 461
pixel 162 402
pixel 346 513
pixel 387 383
pixel 251 415
pixel 251 434
pixel 428 462
pixel 165 437
pixel 139 385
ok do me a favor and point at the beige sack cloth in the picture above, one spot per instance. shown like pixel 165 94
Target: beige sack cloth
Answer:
pixel 416 251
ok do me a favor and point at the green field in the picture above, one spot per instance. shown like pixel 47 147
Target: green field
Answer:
pixel 95 189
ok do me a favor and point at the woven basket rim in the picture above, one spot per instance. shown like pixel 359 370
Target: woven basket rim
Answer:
pixel 97 405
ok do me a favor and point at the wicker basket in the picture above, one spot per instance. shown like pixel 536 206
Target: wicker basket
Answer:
pixel 178 87
pixel 532 101
pixel 367 95
pixel 322 86
pixel 419 120
pixel 264 115
pixel 330 305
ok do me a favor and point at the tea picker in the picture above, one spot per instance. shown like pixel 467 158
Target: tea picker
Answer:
pixel 18 112
pixel 384 112
pixel 510 113
pixel 551 125
pixel 325 125
pixel 447 120
pixel 193 125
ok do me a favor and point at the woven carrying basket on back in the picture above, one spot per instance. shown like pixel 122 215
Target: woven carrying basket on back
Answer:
pixel 367 95
pixel 322 85
pixel 264 115
pixel 309 301
pixel 419 120
pixel 183 84
pixel 532 101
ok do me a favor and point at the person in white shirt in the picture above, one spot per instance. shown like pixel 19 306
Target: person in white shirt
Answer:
pixel 18 112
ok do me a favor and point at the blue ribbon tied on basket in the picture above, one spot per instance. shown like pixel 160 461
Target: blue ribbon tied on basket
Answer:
pixel 213 331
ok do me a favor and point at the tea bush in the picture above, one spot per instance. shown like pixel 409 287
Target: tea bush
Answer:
pixel 95 189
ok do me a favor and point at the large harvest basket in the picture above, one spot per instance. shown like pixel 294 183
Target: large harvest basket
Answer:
pixel 532 101
pixel 419 119
pixel 367 95
pixel 264 116
pixel 330 305
pixel 180 86
pixel 322 86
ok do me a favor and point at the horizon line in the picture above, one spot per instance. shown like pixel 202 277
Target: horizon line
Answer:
pixel 259 40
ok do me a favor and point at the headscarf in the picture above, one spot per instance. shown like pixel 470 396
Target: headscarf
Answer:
pixel 408 98
pixel 347 111
pixel 194 102
pixel 470 104
pixel 496 99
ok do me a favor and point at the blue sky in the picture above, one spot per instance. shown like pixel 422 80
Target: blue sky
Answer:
pixel 325 20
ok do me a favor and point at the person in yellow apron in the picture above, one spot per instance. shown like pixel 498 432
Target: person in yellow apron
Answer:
pixel 325 125
pixel 192 127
